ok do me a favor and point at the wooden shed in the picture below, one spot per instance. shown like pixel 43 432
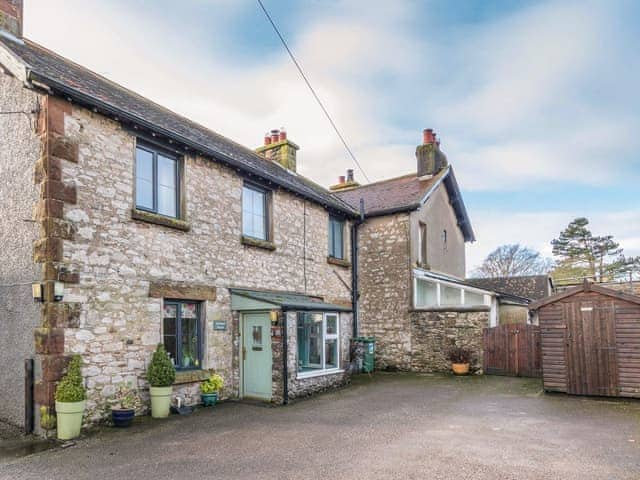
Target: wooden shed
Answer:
pixel 590 341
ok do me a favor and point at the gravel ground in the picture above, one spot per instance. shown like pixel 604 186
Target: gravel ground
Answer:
pixel 390 426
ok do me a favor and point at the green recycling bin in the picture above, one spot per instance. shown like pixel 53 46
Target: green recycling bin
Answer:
pixel 369 344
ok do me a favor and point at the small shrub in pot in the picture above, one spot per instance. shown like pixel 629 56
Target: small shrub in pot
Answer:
pixel 210 388
pixel 70 401
pixel 161 374
pixel 123 404
pixel 460 359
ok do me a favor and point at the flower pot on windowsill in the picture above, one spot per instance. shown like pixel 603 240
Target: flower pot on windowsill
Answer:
pixel 122 417
pixel 460 368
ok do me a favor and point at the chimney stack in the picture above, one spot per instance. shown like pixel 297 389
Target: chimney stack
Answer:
pixel 430 159
pixel 277 148
pixel 11 16
pixel 345 182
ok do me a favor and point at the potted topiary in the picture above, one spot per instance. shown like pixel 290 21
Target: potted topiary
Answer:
pixel 460 359
pixel 210 388
pixel 124 403
pixel 161 374
pixel 70 401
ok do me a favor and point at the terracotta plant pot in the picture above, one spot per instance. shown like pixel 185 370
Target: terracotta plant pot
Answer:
pixel 460 368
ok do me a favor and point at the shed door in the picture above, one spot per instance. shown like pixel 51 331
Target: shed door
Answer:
pixel 591 348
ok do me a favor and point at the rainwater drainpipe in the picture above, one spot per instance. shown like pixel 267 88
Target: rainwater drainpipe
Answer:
pixel 285 355
pixel 354 270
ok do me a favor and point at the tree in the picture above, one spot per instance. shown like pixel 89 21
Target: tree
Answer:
pixel 580 254
pixel 513 260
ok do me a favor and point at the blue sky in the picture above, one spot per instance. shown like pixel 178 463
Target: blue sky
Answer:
pixel 536 103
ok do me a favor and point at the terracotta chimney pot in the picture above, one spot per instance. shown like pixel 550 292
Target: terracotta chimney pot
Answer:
pixel 341 179
pixel 283 135
pixel 428 136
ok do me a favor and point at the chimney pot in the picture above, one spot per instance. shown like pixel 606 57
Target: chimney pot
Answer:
pixel 428 136
pixel 11 15
pixel 275 135
pixel 283 134
pixel 341 179
pixel 350 175
pixel 267 138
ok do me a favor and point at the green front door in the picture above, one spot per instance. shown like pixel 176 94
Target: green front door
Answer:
pixel 256 353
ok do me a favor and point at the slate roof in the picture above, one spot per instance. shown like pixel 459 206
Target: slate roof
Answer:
pixel 533 287
pixel 407 193
pixel 87 88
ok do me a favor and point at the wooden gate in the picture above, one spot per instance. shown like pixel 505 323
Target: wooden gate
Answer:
pixel 512 349
pixel 591 348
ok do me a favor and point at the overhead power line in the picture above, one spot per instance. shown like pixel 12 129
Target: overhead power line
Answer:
pixel 313 92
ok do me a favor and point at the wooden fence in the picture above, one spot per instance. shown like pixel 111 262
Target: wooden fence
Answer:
pixel 512 349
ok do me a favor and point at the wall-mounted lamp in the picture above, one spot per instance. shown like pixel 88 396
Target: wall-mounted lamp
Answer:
pixel 36 291
pixel 273 316
pixel 58 291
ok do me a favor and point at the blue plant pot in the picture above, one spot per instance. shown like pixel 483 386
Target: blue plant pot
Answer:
pixel 209 399
pixel 122 418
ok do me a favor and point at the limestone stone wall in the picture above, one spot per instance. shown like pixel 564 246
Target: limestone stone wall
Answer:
pixel 384 276
pixel 435 332
pixel 19 151
pixel 117 257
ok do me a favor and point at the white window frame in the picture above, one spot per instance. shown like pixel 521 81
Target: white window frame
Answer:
pixel 439 283
pixel 325 336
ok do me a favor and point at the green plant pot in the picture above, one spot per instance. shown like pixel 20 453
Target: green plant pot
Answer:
pixel 209 399
pixel 160 401
pixel 69 419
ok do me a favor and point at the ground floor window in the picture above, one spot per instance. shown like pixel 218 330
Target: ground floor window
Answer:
pixel 429 293
pixel 318 347
pixel 181 333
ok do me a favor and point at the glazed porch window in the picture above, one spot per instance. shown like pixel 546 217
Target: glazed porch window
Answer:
pixel 336 238
pixel 255 212
pixel 157 181
pixel 318 335
pixel 181 333
pixel 434 293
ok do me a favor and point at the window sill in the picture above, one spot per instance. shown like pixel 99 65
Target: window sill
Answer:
pixel 453 308
pixel 338 261
pixel 255 242
pixel 191 376
pixel 319 373
pixel 160 220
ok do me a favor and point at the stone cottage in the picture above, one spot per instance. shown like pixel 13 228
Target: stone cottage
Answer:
pixel 411 265
pixel 142 227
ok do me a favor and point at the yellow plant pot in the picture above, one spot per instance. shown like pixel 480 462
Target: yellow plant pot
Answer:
pixel 460 368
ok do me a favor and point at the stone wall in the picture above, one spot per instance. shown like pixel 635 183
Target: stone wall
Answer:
pixel 433 333
pixel 117 258
pixel 18 312
pixel 384 276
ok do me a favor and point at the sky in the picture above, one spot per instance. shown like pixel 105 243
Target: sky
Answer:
pixel 536 103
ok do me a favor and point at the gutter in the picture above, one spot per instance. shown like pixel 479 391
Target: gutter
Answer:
pixel 355 295
pixel 285 357
pixel 222 157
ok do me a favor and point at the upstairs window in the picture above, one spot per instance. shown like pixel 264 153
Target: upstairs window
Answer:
pixel 255 212
pixel 422 245
pixel 336 238
pixel 157 181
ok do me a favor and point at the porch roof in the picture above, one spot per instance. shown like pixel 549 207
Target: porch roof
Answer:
pixel 243 299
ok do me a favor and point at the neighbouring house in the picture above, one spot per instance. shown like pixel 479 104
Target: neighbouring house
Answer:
pixel 411 265
pixel 143 227
pixel 590 341
pixel 514 294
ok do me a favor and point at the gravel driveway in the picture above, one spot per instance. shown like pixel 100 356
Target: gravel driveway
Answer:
pixel 388 426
